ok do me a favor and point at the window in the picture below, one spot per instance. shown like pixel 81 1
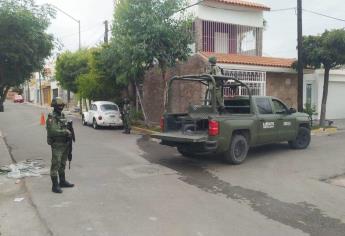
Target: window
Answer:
pixel 238 106
pixel 94 107
pixel 109 107
pixel 264 105
pixel 279 107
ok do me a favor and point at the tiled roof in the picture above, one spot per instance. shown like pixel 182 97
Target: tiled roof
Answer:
pixel 245 4
pixel 250 60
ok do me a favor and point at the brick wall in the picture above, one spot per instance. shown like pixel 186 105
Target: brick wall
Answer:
pixel 184 92
pixel 282 86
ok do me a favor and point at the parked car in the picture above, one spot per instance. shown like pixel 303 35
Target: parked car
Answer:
pixel 232 128
pixel 18 99
pixel 102 113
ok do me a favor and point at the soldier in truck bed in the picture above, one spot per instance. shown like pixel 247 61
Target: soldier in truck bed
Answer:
pixel 213 69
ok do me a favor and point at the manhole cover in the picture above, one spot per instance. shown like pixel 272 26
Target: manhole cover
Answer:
pixel 145 170
pixel 338 181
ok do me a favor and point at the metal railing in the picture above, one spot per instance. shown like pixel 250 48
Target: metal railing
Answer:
pixel 231 39
pixel 256 81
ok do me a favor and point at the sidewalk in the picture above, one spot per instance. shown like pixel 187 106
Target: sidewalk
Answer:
pixel 18 215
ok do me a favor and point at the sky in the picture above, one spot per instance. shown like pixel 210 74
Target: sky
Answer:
pixel 280 36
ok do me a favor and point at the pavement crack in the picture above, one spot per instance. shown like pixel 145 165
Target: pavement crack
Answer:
pixel 302 215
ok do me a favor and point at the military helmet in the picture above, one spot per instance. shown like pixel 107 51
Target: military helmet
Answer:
pixel 57 101
pixel 212 60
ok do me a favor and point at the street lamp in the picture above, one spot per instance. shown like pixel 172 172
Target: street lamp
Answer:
pixel 78 21
pixel 71 17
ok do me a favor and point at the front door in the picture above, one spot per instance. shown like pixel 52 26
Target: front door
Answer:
pixel 286 121
pixel 267 129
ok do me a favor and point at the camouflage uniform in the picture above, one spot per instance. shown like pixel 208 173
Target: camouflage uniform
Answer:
pixel 215 70
pixel 126 117
pixel 58 138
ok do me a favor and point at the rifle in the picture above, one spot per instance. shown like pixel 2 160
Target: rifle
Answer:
pixel 70 142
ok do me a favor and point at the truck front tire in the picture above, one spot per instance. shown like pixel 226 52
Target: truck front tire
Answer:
pixel 238 150
pixel 302 140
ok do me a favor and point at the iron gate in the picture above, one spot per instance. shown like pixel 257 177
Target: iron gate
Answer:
pixel 256 81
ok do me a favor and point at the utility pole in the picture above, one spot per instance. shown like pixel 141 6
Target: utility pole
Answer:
pixel 300 59
pixel 40 83
pixel 106 30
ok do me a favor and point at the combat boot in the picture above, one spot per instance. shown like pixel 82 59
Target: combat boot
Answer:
pixel 64 183
pixel 56 187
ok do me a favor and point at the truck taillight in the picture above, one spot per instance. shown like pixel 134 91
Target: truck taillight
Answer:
pixel 162 123
pixel 213 128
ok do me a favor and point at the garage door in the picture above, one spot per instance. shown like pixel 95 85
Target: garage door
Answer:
pixel 335 102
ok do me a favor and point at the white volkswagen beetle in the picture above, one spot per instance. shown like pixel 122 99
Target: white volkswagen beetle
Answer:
pixel 101 113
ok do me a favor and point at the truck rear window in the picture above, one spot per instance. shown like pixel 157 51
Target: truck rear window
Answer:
pixel 238 106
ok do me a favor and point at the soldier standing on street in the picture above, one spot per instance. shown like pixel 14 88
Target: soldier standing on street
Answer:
pixel 216 70
pixel 126 116
pixel 58 137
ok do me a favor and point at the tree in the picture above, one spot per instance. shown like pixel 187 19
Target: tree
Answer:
pixel 69 66
pixel 152 32
pixel 100 82
pixel 24 44
pixel 327 51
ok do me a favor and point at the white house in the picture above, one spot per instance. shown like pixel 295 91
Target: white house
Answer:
pixel 231 31
pixel 313 89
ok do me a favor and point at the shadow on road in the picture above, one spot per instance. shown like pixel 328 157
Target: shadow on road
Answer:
pixel 302 215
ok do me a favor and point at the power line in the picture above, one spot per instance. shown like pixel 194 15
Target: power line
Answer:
pixel 283 9
pixel 324 15
pixel 88 29
pixel 189 6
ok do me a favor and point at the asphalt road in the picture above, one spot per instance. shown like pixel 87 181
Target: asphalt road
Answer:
pixel 130 185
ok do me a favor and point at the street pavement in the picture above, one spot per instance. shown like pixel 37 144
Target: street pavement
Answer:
pixel 131 185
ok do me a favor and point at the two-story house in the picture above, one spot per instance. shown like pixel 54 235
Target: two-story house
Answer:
pixel 232 31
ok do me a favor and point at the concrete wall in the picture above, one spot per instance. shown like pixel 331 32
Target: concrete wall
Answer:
pixel 282 86
pixel 336 92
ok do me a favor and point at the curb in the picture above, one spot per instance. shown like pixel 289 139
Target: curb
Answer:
pixel 324 131
pixel 142 130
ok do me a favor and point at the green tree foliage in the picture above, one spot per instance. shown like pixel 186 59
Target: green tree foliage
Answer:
pixel 151 32
pixel 69 66
pixel 327 51
pixel 100 82
pixel 24 44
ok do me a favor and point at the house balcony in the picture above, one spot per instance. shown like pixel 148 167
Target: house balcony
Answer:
pixel 227 38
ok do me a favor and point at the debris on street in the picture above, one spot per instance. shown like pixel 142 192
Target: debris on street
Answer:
pixel 28 168
pixel 18 199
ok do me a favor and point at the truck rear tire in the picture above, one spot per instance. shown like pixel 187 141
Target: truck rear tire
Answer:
pixel 302 140
pixel 238 150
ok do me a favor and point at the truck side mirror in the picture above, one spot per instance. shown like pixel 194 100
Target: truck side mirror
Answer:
pixel 292 110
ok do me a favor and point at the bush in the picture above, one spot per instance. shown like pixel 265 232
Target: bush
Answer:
pixel 310 110
pixel 136 116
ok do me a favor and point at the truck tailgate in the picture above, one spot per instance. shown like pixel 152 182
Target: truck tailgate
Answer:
pixel 180 137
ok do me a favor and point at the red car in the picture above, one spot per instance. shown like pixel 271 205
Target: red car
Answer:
pixel 18 98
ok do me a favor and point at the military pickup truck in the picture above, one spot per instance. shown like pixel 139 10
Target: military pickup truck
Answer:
pixel 229 127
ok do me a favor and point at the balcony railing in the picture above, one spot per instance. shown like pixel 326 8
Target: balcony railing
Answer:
pixel 231 39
